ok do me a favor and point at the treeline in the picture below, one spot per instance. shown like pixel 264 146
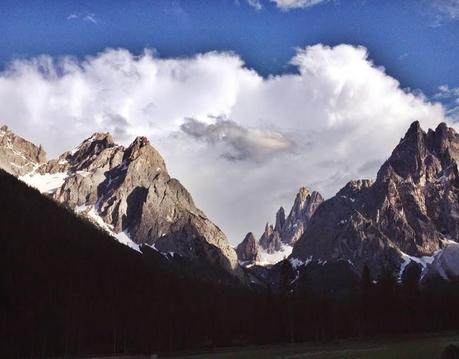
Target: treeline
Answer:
pixel 381 306
pixel 67 289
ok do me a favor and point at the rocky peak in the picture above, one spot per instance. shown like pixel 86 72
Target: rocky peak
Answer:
pixel 287 230
pixel 407 157
pixel 92 146
pixel 420 155
pixel 354 187
pixel 126 191
pixel 17 155
pixel 280 219
pixel 410 210
pixel 301 197
pixel 270 240
pixel 247 250
pixel 444 142
pixel 302 210
pixel 141 148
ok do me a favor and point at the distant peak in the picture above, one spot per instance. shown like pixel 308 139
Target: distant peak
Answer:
pixel 100 136
pixel 354 187
pixel 141 147
pixel 140 141
pixel 249 237
pixel 302 195
pixel 304 190
pixel 442 127
pixel 414 130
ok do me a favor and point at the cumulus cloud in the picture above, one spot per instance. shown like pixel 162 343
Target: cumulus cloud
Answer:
pixel 295 4
pixel 241 143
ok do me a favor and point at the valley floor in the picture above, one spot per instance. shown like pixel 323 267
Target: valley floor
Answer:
pixel 428 347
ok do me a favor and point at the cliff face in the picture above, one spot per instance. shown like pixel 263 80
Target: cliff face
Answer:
pixel 18 156
pixel 247 251
pixel 126 191
pixel 411 209
pixel 277 241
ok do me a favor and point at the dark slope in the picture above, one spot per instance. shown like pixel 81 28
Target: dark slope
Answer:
pixel 68 288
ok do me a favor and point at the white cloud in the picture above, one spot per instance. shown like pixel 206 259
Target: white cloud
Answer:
pixel 336 119
pixel 295 4
pixel 91 17
pixel 255 4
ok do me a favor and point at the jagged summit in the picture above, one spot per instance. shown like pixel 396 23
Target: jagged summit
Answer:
pixel 247 251
pixel 126 191
pixel 17 155
pixel 276 242
pixel 409 211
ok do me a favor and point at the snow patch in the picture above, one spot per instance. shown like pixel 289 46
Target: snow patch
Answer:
pixel 295 262
pixel 273 258
pixel 47 183
pixel 424 261
pixel 122 237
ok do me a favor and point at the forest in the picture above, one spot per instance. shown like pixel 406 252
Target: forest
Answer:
pixel 69 289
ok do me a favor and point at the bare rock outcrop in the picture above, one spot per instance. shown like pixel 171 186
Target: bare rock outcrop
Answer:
pixel 17 155
pixel 287 230
pixel 126 191
pixel 247 250
pixel 412 208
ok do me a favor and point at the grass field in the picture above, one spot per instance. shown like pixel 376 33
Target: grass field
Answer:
pixel 407 348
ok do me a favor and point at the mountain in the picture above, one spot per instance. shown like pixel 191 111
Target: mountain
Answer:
pixel 407 215
pixel 67 289
pixel 247 251
pixel 18 156
pixel 126 191
pixel 276 242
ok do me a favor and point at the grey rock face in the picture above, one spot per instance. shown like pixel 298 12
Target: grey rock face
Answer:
pixel 270 240
pixel 280 220
pixel 129 190
pixel 287 230
pixel 17 155
pixel 445 264
pixel 412 207
pixel 247 250
pixel 303 208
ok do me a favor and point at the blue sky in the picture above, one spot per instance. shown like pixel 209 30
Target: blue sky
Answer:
pixel 416 41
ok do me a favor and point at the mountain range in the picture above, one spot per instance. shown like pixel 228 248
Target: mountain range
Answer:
pixel 126 191
pixel 407 216
pixel 277 242
pixel 110 254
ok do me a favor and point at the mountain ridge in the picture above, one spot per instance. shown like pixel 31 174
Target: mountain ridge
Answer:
pixel 276 241
pixel 128 192
pixel 409 211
